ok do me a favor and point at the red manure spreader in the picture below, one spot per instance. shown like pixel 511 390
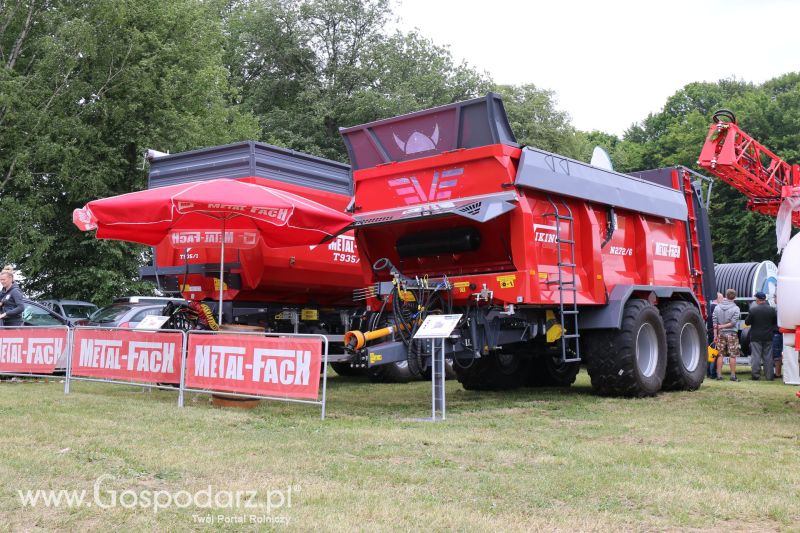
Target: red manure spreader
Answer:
pixel 551 262
pixel 302 289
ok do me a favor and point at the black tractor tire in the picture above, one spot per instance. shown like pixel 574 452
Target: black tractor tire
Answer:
pixel 344 369
pixel 687 346
pixel 632 360
pixel 391 373
pixel 547 370
pixel 495 371
pixel 744 342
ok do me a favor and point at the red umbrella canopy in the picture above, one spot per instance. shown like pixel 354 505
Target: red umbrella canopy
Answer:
pixel 147 217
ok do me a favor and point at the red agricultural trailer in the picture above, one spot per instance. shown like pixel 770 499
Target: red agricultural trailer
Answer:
pixel 306 289
pixel 551 262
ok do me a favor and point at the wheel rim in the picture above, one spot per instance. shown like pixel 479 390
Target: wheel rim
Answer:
pixel 646 349
pixel 690 347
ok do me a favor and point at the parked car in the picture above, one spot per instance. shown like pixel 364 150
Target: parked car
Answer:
pixel 149 300
pixel 123 315
pixel 36 314
pixel 75 311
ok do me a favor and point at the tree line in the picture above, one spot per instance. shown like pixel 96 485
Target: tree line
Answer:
pixel 86 87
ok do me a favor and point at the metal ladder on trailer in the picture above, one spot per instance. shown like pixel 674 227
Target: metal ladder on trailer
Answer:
pixel 570 345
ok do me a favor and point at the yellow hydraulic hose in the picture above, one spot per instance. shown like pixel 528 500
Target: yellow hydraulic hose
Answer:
pixel 355 340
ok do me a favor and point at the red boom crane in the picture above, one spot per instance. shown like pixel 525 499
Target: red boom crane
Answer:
pixel 745 164
pixel 768 181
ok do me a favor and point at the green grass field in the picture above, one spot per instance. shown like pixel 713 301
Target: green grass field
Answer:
pixel 726 457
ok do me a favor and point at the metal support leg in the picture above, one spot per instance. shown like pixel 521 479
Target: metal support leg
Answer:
pixel 437 382
pixel 442 379
pixel 433 382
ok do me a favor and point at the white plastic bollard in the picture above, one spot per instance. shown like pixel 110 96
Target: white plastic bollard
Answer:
pixel 789 307
pixel 791 368
pixel 789 286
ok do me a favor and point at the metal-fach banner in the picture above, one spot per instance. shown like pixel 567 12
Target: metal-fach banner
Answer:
pixel 33 349
pixel 266 366
pixel 129 355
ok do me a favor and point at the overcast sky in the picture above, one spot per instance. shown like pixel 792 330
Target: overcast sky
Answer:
pixel 612 62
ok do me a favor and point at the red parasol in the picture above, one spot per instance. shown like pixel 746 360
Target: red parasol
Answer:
pixel 200 213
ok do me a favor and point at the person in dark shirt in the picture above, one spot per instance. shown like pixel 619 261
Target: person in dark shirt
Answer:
pixel 11 305
pixel 710 317
pixel 762 320
pixel 777 352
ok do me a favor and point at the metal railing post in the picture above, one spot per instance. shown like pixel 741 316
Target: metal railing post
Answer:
pixel 324 376
pixel 70 351
pixel 184 356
